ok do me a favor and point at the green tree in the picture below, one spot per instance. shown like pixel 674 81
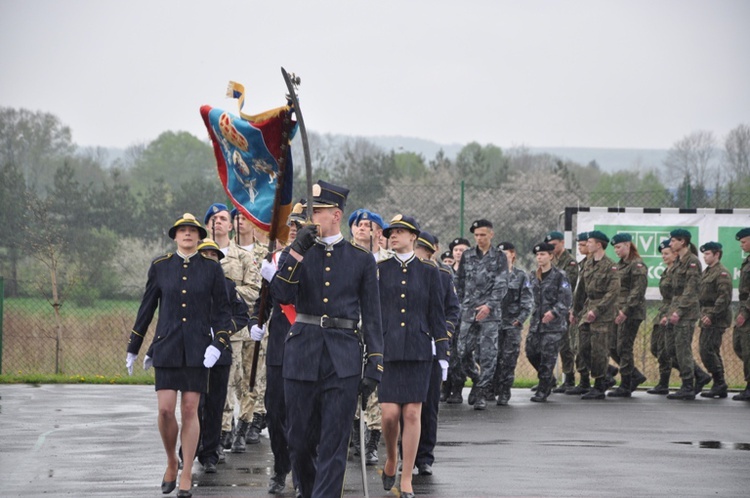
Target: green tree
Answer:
pixel 480 165
pixel 629 188
pixel 410 166
pixel 14 219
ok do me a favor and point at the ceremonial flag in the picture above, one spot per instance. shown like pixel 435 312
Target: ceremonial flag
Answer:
pixel 248 149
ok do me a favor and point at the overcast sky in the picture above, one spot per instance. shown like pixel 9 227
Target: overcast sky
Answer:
pixel 634 74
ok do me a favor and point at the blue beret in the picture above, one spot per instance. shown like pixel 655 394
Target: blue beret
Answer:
pixel 480 224
pixel 353 216
pixel 664 244
pixel 554 236
pixel 400 221
pixel 506 246
pixel 583 237
pixel 743 233
pixel 426 240
pixel 711 246
pixel 598 235
pixel 621 237
pixel 681 233
pixel 369 215
pixel 544 247
pixel 214 208
pixel 458 241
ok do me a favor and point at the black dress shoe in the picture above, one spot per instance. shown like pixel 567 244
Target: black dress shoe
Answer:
pixel 168 486
pixel 407 494
pixel 388 481
pixel 184 493
pixel 424 469
pixel 209 468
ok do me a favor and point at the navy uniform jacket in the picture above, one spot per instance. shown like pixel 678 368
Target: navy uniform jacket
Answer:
pixel 340 281
pixel 412 307
pixel 551 293
pixel 192 299
pixel 240 319
pixel 450 302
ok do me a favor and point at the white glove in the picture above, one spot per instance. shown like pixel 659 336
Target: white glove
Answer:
pixel 444 368
pixel 129 361
pixel 211 356
pixel 257 333
pixel 148 362
pixel 267 269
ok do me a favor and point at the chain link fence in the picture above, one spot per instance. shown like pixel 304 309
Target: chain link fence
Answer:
pixel 85 335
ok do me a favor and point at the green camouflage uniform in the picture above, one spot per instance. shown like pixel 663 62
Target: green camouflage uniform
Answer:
pixel 632 302
pixel 741 335
pixel 597 291
pixel 686 275
pixel 568 264
pixel 659 332
pixel 715 299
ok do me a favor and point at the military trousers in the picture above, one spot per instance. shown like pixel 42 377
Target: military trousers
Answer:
pixel 456 374
pixel 621 340
pixel 212 403
pixel 508 349
pixel 479 338
pixel 318 416
pixel 710 349
pixel 276 419
pixel 680 348
pixel 575 344
pixel 567 353
pixel 741 345
pixel 594 347
pixel 542 350
pixel 659 348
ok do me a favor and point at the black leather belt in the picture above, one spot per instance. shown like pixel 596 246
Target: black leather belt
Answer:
pixel 327 322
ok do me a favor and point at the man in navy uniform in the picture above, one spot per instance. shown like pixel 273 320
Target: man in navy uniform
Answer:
pixel 332 283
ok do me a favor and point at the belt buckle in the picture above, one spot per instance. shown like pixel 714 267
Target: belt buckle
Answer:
pixel 324 321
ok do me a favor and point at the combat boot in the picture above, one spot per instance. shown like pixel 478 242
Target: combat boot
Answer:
pixel 583 386
pixel 239 438
pixel 455 398
pixel 503 397
pixel 444 392
pixel 701 379
pixel 480 403
pixel 744 395
pixel 686 392
pixel 473 393
pixel 598 390
pixel 638 379
pixel 623 391
pixel 356 443
pixel 277 484
pixel 662 387
pixel 542 392
pixel 570 382
pixel 226 440
pixel 609 380
pixel 253 433
pixel 371 450
pixel 719 389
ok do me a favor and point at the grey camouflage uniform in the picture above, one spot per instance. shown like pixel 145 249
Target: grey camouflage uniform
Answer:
pixel 516 308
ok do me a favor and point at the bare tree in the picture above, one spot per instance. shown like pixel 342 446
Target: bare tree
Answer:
pixel 737 152
pixel 691 157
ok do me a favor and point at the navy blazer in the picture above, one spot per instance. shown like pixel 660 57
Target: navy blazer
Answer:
pixel 412 307
pixel 192 299
pixel 240 319
pixel 451 305
pixel 340 281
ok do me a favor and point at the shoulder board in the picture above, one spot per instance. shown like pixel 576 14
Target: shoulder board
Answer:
pixel 162 258
pixel 359 247
pixel 428 262
pixel 446 270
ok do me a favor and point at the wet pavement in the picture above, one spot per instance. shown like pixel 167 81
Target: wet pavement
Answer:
pixel 92 440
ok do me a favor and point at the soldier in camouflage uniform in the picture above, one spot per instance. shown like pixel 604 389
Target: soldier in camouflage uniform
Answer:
pixel 584 385
pixel 456 377
pixel 684 312
pixel 595 308
pixel 741 334
pixel 631 306
pixel 482 285
pixel 716 315
pixel 661 322
pixel 516 309
pixel 563 260
pixel 238 265
pixel 549 318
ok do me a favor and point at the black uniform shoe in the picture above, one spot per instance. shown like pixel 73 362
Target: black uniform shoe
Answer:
pixel 610 381
pixel 534 388
pixel 744 395
pixel 490 397
pixel 662 387
pixel 253 433
pixel 238 446
pixel 226 440
pixel 686 392
pixel 371 450
pixel 597 392
pixel 583 386
pixel 637 379
pixel 388 481
pixel 455 399
pixel 701 379
pixel 424 469
pixel 716 391
pixel 480 403
pixel 209 468
pixel 277 484
pixel 473 394
pixel 222 456
pixel 168 486
pixel 623 391
pixel 503 397
pixel 569 383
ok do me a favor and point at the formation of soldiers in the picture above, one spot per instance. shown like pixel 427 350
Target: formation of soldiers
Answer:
pixel 587 312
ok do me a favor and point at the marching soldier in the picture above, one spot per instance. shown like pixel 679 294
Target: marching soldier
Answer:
pixel 741 333
pixel 631 311
pixel 563 260
pixel 517 306
pixel 584 384
pixel 684 312
pixel 482 285
pixel 661 321
pixel 453 388
pixel 332 283
pixel 549 318
pixel 594 308
pixel 716 315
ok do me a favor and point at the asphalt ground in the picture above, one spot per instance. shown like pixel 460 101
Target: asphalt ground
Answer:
pixel 98 440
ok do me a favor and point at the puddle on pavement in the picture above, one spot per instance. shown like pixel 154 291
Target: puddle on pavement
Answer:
pixel 472 443
pixel 716 445
pixel 583 443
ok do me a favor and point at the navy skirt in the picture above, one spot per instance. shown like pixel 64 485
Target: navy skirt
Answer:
pixel 192 379
pixel 404 382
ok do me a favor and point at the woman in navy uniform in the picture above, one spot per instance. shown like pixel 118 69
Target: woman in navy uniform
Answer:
pixel 189 290
pixel 411 300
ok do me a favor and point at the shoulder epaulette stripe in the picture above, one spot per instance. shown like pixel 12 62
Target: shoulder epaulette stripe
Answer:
pixel 162 258
pixel 359 247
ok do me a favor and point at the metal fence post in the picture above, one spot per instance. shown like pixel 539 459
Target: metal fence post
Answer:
pixel 2 298
pixel 461 219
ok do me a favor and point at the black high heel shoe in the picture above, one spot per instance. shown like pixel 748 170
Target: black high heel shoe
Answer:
pixel 388 481
pixel 168 486
pixel 184 493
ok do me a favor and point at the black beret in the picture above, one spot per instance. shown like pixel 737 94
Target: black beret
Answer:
pixel 446 255
pixel 458 241
pixel 664 244
pixel 544 247
pixel 711 246
pixel 743 233
pixel 506 246
pixel 480 224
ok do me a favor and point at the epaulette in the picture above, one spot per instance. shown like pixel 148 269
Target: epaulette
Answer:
pixel 386 259
pixel 162 258
pixel 359 247
pixel 446 270
pixel 428 262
